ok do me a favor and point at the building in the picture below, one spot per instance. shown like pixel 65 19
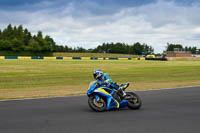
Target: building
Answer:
pixel 178 54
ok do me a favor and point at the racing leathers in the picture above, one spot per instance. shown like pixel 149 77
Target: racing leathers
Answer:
pixel 106 80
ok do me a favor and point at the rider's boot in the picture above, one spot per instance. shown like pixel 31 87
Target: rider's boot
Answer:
pixel 121 92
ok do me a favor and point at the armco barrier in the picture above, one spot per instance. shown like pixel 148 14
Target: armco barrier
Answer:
pixel 79 58
pixel 67 58
pixel 142 58
pixel 158 59
pixel 59 58
pixel 37 57
pixel 93 58
pixel 113 58
pixel 24 58
pixel 100 58
pixel 122 58
pixel 2 57
pixel 76 58
pixel 11 57
pixel 49 58
pixel 134 58
pixel 85 58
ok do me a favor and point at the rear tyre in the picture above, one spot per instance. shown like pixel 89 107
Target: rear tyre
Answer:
pixel 98 106
pixel 135 102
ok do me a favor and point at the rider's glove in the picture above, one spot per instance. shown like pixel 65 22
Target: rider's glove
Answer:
pixel 103 83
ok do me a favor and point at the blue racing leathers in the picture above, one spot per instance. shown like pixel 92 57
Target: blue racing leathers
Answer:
pixel 106 80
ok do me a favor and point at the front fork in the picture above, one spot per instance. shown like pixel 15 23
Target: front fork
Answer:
pixel 97 98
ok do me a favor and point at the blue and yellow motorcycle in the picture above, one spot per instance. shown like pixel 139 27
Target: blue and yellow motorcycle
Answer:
pixel 102 98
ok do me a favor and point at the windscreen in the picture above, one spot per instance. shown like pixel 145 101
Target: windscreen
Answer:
pixel 91 83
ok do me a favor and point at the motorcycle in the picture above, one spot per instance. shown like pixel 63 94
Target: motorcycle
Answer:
pixel 102 98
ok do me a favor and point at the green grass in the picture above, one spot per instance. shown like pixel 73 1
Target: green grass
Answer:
pixel 48 78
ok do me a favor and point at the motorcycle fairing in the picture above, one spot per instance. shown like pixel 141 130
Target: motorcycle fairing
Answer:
pixel 111 102
pixel 107 93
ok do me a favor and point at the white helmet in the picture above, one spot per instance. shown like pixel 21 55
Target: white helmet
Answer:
pixel 98 74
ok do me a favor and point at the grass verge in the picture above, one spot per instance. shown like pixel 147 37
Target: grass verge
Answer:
pixel 49 78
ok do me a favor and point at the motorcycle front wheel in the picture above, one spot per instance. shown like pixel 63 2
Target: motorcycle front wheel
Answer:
pixel 98 106
pixel 135 102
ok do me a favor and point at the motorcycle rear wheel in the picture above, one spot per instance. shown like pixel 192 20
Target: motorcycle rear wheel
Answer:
pixel 135 102
pixel 98 106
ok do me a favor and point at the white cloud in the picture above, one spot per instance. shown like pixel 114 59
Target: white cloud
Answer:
pixel 154 24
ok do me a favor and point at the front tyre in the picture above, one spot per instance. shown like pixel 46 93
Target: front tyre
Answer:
pixel 135 102
pixel 98 106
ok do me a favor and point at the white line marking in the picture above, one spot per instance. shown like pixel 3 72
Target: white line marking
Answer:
pixel 85 94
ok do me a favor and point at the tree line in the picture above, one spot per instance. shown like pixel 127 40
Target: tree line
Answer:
pixel 118 48
pixel 17 39
pixel 136 48
pixel 179 47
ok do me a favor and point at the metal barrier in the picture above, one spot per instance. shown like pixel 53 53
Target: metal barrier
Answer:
pixel 93 58
pixel 59 58
pixel 37 57
pixel 11 57
pixel 76 58
pixel 79 58
pixel 158 59
pixel 113 58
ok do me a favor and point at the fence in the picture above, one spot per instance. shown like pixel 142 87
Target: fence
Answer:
pixel 74 58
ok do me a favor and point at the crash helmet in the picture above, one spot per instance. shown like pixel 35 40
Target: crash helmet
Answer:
pixel 98 74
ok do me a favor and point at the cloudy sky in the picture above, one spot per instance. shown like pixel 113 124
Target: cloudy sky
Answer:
pixel 88 23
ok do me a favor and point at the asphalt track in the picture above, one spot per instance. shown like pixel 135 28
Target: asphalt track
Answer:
pixel 163 111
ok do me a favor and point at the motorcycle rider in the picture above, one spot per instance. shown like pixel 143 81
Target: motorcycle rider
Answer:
pixel 104 79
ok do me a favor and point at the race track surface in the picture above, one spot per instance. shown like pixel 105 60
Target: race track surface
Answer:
pixel 163 111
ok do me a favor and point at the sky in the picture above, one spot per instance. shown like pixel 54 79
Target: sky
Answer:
pixel 88 23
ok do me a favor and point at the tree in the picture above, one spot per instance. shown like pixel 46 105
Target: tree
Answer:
pixel 0 34
pixel 193 50
pixel 34 46
pixel 5 45
pixel 147 49
pixel 16 45
pixel 137 49
pixel 50 43
pixel 16 39
pixel 27 37
pixel 123 48
pixel 173 47
pixel 20 33
pixel 7 33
